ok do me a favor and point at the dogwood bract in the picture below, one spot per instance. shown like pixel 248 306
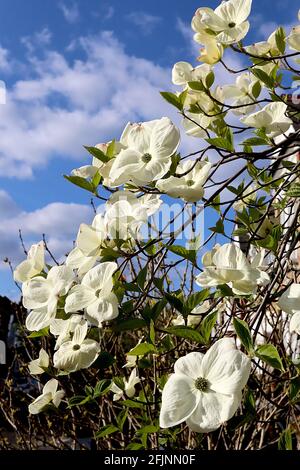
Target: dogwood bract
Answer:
pixel 49 395
pixel 129 386
pixel 227 264
pixel 228 22
pixel 189 186
pixel 38 366
pixel 289 302
pixel 205 390
pixel 184 72
pixel 33 265
pixel 147 157
pixel 78 353
pixel 64 328
pixel 272 118
pixel 42 295
pixel 95 295
pixel 241 93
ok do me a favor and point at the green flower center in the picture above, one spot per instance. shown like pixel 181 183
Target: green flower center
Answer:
pixel 201 384
pixel 190 182
pixel 146 157
pixel 231 25
pixel 76 347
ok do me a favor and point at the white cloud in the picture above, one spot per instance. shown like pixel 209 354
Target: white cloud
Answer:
pixel 144 21
pixel 59 221
pixel 39 39
pixel 67 104
pixel 70 12
pixel 5 64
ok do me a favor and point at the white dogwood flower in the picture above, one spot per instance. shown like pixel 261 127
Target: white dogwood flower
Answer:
pixel 90 238
pixel 33 265
pixel 184 72
pixel 211 51
pixel 227 23
pixel 241 93
pixel 147 157
pixel 205 390
pixel 64 328
pixel 49 395
pixel 271 117
pixel 189 186
pixel 38 366
pixel 95 295
pixel 129 386
pixel 195 124
pixel 78 353
pixel 289 302
pixel 227 264
pixel 76 259
pixel 293 39
pixel 42 295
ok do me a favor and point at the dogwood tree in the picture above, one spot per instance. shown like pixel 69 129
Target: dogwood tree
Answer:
pixel 155 332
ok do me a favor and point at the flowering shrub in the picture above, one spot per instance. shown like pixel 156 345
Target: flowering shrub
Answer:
pixel 134 302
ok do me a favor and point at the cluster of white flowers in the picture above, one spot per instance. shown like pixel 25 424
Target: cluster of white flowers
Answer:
pixel 73 298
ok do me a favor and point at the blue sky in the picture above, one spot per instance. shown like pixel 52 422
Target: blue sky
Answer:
pixel 76 72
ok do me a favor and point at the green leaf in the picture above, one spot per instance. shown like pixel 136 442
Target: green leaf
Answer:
pixel 96 179
pixel 285 440
pixel 196 298
pixel 142 349
pixel 78 400
pixel 219 228
pixel 256 89
pixel 252 170
pixel 222 143
pixel 255 141
pixel 106 431
pixel 243 332
pixel 81 182
pixel 135 446
pixel 263 77
pixel 129 324
pixel 149 429
pixel 210 78
pixel 110 152
pixel 141 278
pixel 152 332
pixel 157 309
pixel 294 190
pixel 132 404
pixel 280 39
pixel 38 334
pixel 294 391
pixel 175 302
pixel 101 388
pixel 97 153
pixel 215 204
pixel 196 85
pixel 183 252
pixel 269 354
pixel 186 332
pixel 121 418
pixel 172 99
pixel 207 325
